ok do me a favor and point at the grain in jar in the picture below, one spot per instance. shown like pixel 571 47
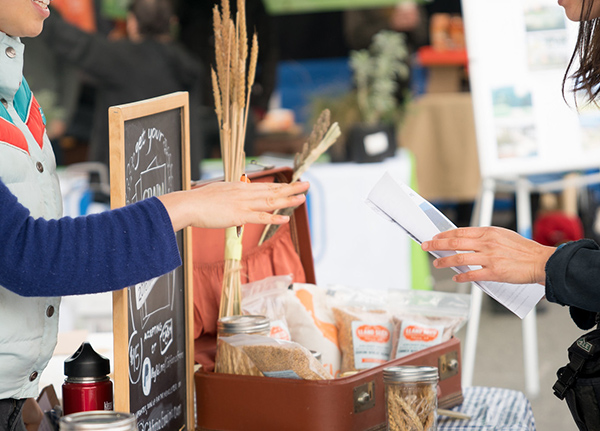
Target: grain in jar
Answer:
pixel 411 398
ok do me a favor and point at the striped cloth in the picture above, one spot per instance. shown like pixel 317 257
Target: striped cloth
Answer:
pixel 491 409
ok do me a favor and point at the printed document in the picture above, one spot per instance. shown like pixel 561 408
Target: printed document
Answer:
pixel 403 206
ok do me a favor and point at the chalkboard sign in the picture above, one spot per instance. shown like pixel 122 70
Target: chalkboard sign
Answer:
pixel 153 337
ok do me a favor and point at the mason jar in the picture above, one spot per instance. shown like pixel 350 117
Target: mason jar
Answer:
pixel 411 398
pixel 244 324
pixel 97 421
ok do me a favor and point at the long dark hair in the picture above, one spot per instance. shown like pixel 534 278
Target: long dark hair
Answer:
pixel 587 51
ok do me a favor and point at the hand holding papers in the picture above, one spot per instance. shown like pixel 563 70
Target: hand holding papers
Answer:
pixel 400 204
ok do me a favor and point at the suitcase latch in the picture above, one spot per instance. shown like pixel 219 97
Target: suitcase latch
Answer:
pixel 448 365
pixel 364 397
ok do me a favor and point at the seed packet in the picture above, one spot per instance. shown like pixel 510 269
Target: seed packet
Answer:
pixel 422 319
pixel 365 337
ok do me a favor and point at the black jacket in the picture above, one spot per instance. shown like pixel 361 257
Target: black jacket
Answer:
pixel 573 279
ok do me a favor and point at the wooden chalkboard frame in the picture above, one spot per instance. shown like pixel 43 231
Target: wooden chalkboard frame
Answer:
pixel 118 118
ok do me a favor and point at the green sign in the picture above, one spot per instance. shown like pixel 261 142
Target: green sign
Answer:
pixel 114 9
pixel 282 7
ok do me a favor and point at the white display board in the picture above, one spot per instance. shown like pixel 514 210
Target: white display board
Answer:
pixel 351 245
pixel 518 53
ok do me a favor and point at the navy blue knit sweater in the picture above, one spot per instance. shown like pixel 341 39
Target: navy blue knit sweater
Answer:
pixel 88 254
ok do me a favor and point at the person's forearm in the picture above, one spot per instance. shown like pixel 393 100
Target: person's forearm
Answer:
pixel 178 209
pixel 89 254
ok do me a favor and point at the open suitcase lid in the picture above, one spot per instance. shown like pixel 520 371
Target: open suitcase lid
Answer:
pixel 299 225
pixel 289 251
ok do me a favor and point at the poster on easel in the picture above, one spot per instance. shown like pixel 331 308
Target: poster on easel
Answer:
pixel 517 62
pixel 153 320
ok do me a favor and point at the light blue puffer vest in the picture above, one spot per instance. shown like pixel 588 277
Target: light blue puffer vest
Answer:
pixel 28 326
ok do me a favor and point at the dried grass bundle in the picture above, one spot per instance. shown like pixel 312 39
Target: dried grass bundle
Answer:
pixel 321 138
pixel 232 84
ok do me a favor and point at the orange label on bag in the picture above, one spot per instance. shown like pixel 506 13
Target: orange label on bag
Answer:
pixel 328 330
pixel 418 333
pixel 279 333
pixel 373 333
pixel 373 361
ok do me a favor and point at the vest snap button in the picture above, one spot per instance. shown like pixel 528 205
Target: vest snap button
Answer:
pixel 10 52
pixel 33 376
pixel 50 311
pixel 39 167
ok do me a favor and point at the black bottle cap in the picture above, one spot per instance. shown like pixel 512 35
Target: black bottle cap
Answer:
pixel 85 362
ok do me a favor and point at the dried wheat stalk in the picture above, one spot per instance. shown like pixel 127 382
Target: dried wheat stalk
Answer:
pixel 232 84
pixel 321 138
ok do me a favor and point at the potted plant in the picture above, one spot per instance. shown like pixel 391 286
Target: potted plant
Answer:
pixel 370 113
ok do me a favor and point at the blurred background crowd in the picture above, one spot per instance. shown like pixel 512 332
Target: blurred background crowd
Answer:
pixel 97 57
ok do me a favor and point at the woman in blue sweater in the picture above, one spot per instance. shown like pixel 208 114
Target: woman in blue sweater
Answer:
pixel 44 256
pixel 570 272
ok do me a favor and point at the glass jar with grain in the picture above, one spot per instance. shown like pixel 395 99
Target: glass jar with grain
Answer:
pixel 244 324
pixel 411 398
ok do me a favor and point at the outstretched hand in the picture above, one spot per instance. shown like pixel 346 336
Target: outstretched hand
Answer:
pixel 226 204
pixel 503 255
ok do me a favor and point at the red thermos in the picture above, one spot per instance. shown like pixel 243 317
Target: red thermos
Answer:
pixel 87 385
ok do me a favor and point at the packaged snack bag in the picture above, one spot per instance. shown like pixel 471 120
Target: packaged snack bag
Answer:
pixel 365 337
pixel 312 324
pixel 422 319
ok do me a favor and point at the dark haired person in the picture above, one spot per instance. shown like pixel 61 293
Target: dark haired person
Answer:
pixel 569 272
pixel 148 63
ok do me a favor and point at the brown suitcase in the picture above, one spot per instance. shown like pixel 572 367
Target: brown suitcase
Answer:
pixel 355 403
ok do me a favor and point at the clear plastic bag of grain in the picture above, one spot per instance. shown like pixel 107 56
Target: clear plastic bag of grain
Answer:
pixel 269 297
pixel 425 318
pixel 411 398
pixel 365 337
pixel 266 356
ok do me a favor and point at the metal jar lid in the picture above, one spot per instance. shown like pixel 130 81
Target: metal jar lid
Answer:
pixel 410 374
pixel 98 420
pixel 245 324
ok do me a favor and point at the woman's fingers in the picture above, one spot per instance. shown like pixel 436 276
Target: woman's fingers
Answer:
pixel 459 259
pixel 502 254
pixel 451 244
pixel 473 276
pixel 469 239
pixel 279 196
pixel 225 204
